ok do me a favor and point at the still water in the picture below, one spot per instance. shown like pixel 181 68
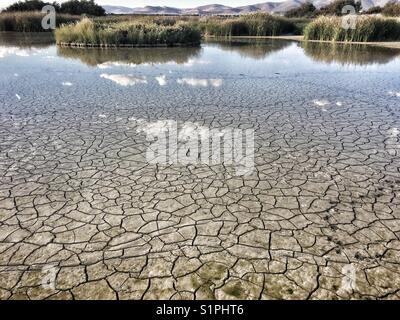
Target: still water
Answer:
pixel 317 214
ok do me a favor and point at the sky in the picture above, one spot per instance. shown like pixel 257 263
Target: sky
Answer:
pixel 169 3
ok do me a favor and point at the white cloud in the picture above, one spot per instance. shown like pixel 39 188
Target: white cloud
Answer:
pixel 107 65
pixel 124 80
pixel 193 82
pixel 200 82
pixel 216 82
pixel 162 80
pixel 16 51
pixel 394 94
pixel 192 62
pixel 189 63
pixel 321 103
pixel 66 84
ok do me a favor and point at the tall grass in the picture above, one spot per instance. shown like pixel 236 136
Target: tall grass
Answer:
pixel 100 33
pixel 30 21
pixel 146 19
pixel 366 29
pixel 255 24
pixel 27 39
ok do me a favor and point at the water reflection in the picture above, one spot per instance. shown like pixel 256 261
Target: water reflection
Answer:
pixel 103 58
pixel 250 48
pixel 29 44
pixel 193 82
pixel 26 40
pixel 24 44
pixel 106 57
pixel 348 54
pixel 162 80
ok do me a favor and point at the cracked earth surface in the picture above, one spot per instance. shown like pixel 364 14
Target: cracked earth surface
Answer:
pixel 78 198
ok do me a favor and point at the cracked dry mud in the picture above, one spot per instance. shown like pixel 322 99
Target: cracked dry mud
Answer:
pixel 78 198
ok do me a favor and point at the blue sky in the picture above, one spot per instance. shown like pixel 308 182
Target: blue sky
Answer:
pixel 170 3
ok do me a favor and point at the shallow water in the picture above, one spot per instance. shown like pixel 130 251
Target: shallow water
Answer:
pixel 317 216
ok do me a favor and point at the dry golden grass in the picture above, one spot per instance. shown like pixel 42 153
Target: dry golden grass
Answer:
pixel 367 29
pixel 95 32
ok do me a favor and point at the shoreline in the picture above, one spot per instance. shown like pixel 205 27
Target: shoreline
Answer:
pixel 383 44
pixel 156 45
pixel 297 38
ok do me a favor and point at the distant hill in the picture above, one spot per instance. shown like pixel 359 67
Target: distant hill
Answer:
pixel 267 7
pixel 144 10
pixel 219 9
pixel 213 9
pixel 289 4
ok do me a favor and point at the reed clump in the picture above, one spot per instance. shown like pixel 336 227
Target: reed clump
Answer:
pixel 30 21
pixel 129 56
pixel 99 33
pixel 254 24
pixel 367 29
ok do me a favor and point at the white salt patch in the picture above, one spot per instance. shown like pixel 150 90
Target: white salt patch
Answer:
pixel 102 116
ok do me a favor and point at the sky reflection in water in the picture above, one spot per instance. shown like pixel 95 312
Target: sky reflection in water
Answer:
pixel 216 65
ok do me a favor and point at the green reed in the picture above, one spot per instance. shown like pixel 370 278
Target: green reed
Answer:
pixel 130 32
pixel 255 24
pixel 30 21
pixel 367 29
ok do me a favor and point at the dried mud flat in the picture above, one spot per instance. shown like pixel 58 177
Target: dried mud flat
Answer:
pixel 78 198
